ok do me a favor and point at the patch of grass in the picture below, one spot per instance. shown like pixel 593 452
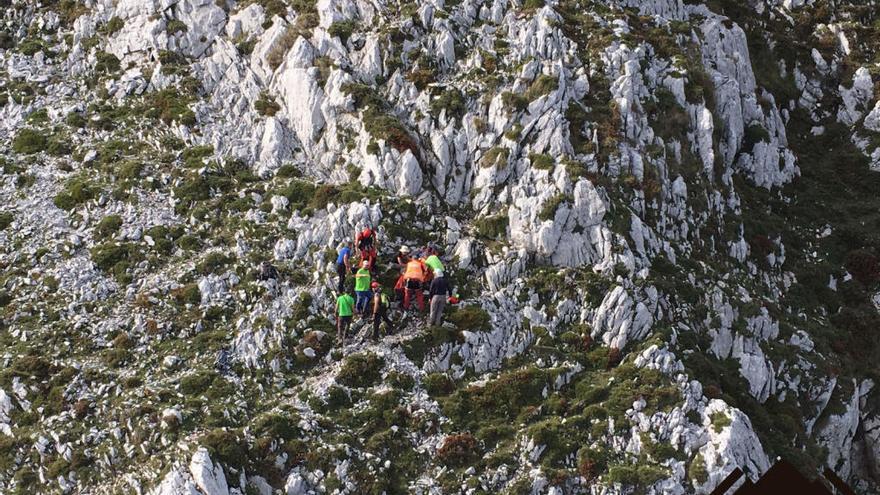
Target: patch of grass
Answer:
pixel 108 226
pixel 76 119
pixel 29 141
pixel 38 117
pixel 719 420
pixel 471 318
pixel 548 209
pixel 195 157
pixel 640 476
pixel 697 471
pixel 541 161
pixel 542 85
pixel 754 134
pixel 492 227
pixel 5 220
pixel 495 157
pixel 169 106
pixel 76 192
pixel 225 446
pixel 110 255
pixel 213 263
pixel 113 26
pixel 360 370
pixel 501 399
pixel 196 383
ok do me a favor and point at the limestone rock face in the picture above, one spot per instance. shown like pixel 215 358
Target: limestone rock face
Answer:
pixel 658 220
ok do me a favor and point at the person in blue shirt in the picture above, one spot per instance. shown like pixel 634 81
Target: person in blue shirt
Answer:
pixel 343 265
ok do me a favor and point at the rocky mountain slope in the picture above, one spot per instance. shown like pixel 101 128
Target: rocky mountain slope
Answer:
pixel 662 217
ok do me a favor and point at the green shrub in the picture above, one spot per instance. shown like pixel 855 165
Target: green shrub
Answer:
pixel 189 243
pixel 106 63
pixel 113 26
pixel 377 121
pixel 438 384
pixel 341 29
pixel 266 105
pixel 458 450
pixel 5 220
pixel 195 157
pixel 275 425
pixel 58 146
pixel 452 100
pixel 169 105
pixel 108 226
pixel 471 318
pixel 225 447
pixel 213 262
pixel 187 294
pixel 360 370
pixel 75 192
pixel 754 134
pixel 502 398
pixel 40 116
pixel 29 141
pixel 492 227
pixel 542 85
pixel 288 171
pixel 30 47
pixel 421 77
pixel 196 383
pixel 390 129
pixel 175 26
pixel 514 101
pixel 107 256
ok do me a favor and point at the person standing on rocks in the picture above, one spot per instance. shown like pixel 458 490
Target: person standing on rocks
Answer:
pixel 380 311
pixel 343 265
pixel 366 244
pixel 344 314
pixel 433 261
pixel 362 288
pixel 402 257
pixel 439 292
pixel 414 278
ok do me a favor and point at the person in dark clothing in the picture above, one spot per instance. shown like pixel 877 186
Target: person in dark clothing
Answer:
pixel 343 266
pixel 438 293
pixel 380 311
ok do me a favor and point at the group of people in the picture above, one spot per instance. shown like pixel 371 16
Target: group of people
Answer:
pixel 418 271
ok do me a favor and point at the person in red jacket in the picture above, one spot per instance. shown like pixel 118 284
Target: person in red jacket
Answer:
pixel 367 246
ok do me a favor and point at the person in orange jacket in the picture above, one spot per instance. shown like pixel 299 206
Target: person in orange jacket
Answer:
pixel 414 276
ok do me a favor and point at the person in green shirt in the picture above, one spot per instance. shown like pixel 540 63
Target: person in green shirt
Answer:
pixel 433 261
pixel 362 281
pixel 344 312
